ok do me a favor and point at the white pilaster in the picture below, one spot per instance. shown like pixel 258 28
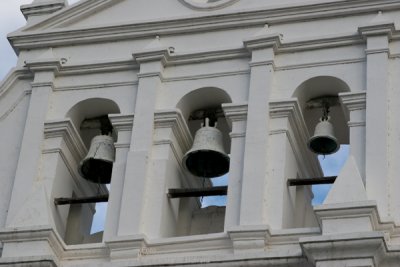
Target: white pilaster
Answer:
pixel 257 129
pixel 171 139
pixel 123 126
pixel 27 172
pixel 139 156
pixel 288 135
pixel 355 104
pixel 377 82
pixel 237 114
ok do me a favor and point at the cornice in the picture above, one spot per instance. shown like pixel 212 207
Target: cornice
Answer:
pixel 122 122
pixel 66 130
pixel 235 112
pixel 367 245
pixel 264 41
pixel 385 28
pixel 12 77
pixel 353 101
pixel 45 37
pixel 36 65
pixel 163 55
pixel 42 8
pixel 174 120
pixel 207 6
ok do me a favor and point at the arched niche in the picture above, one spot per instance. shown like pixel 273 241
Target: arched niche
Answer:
pixel 210 219
pixel 206 98
pixel 323 86
pixel 91 108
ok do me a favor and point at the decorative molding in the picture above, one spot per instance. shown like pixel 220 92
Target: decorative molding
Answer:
pixel 207 6
pixel 12 77
pixel 36 65
pixel 273 40
pixel 205 76
pixel 122 122
pixel 98 67
pixel 42 36
pixel 370 245
pixel 385 28
pixel 174 120
pixel 159 54
pixel 377 51
pixel 319 64
pixel 14 105
pixel 95 86
pixel 38 8
pixel 235 112
pixel 353 100
pixel 66 130
pixel 45 233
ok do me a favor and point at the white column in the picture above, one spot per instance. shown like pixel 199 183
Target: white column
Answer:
pixel 237 114
pixel 377 83
pixel 139 155
pixel 288 157
pixel 252 208
pixel 355 103
pixel 171 140
pixel 123 126
pixel 31 147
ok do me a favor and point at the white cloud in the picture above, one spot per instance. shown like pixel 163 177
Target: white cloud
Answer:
pixel 11 19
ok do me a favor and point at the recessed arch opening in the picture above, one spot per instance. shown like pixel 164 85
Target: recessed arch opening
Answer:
pixel 88 118
pixel 316 88
pixel 209 215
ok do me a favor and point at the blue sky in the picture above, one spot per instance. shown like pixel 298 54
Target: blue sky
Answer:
pixel 12 19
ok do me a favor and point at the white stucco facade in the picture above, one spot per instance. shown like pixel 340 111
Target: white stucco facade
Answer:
pixel 148 65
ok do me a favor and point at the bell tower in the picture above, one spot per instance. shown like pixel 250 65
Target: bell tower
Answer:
pixel 194 127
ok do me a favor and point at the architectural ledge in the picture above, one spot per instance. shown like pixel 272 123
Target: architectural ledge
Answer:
pixel 273 40
pixel 156 54
pixel 34 261
pixel 347 212
pixel 235 112
pixel 51 64
pixel 363 245
pixel 384 28
pixel 42 7
pixel 353 100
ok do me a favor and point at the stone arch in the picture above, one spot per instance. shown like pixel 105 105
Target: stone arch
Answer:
pixel 91 108
pixel 202 99
pixel 321 86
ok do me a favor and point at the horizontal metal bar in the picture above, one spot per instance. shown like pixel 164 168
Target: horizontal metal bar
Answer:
pixel 311 181
pixel 197 192
pixel 80 200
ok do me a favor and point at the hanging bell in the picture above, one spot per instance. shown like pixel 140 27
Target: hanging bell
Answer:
pixel 97 165
pixel 207 157
pixel 324 141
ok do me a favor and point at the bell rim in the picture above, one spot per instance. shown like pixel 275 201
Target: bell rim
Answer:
pixel 318 136
pixel 185 157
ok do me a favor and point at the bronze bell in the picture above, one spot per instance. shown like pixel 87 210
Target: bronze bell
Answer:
pixel 207 157
pixel 97 165
pixel 324 141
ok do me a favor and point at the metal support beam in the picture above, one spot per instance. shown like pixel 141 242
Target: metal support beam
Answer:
pixel 311 181
pixel 197 192
pixel 80 200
